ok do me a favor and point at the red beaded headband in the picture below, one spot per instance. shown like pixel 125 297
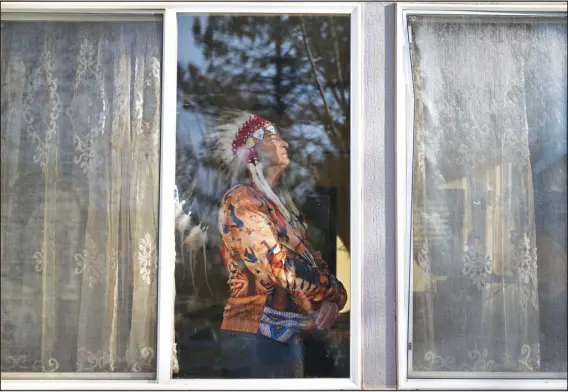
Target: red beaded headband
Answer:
pixel 249 127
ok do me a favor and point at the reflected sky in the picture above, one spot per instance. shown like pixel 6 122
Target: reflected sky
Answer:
pixel 312 140
pixel 189 52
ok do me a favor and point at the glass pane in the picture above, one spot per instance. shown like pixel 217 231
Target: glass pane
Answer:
pixel 80 181
pixel 489 196
pixel 268 194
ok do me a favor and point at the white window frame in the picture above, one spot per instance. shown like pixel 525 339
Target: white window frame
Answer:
pixel 169 10
pixel 404 154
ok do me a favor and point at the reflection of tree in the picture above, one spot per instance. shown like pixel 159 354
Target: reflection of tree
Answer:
pixel 292 70
pixel 295 72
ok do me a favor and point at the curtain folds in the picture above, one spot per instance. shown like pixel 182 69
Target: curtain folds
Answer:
pixel 80 182
pixel 476 305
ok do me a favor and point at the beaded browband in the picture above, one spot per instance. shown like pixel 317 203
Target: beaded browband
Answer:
pixel 250 133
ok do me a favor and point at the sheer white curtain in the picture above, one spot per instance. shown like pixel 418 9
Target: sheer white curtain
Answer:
pixel 475 283
pixel 80 177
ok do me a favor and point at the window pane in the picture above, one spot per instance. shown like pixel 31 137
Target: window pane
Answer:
pixel 239 312
pixel 489 196
pixel 80 179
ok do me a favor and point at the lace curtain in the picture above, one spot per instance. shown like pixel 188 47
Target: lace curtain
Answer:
pixel 477 90
pixel 80 179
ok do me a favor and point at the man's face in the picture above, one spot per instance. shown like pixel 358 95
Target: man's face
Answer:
pixel 274 150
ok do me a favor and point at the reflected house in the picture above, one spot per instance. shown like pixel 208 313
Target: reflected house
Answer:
pixel 467 202
pixel 451 241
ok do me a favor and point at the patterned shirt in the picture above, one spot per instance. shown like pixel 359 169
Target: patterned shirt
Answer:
pixel 274 281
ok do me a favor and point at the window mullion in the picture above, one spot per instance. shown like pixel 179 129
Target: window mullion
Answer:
pixel 166 256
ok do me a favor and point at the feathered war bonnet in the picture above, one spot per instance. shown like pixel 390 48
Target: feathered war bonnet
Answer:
pixel 233 143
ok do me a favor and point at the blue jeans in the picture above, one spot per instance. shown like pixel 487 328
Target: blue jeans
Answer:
pixel 251 355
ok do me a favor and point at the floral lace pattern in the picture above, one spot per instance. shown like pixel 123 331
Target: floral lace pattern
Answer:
pixel 39 257
pixel 477 132
pixel 103 361
pixel 525 267
pixel 41 121
pixel 147 259
pixel 88 109
pixel 90 262
pixel 23 363
pixel 80 144
pixel 477 265
pixel 480 361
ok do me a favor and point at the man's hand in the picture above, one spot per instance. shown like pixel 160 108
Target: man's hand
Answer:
pixel 327 314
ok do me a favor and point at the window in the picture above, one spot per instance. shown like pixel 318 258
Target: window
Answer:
pixel 97 124
pixel 294 71
pixel 484 100
pixel 80 184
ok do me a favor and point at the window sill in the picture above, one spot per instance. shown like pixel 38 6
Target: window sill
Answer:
pixel 191 384
pixel 483 384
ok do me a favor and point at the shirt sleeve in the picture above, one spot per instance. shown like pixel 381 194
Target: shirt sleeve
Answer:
pixel 255 242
